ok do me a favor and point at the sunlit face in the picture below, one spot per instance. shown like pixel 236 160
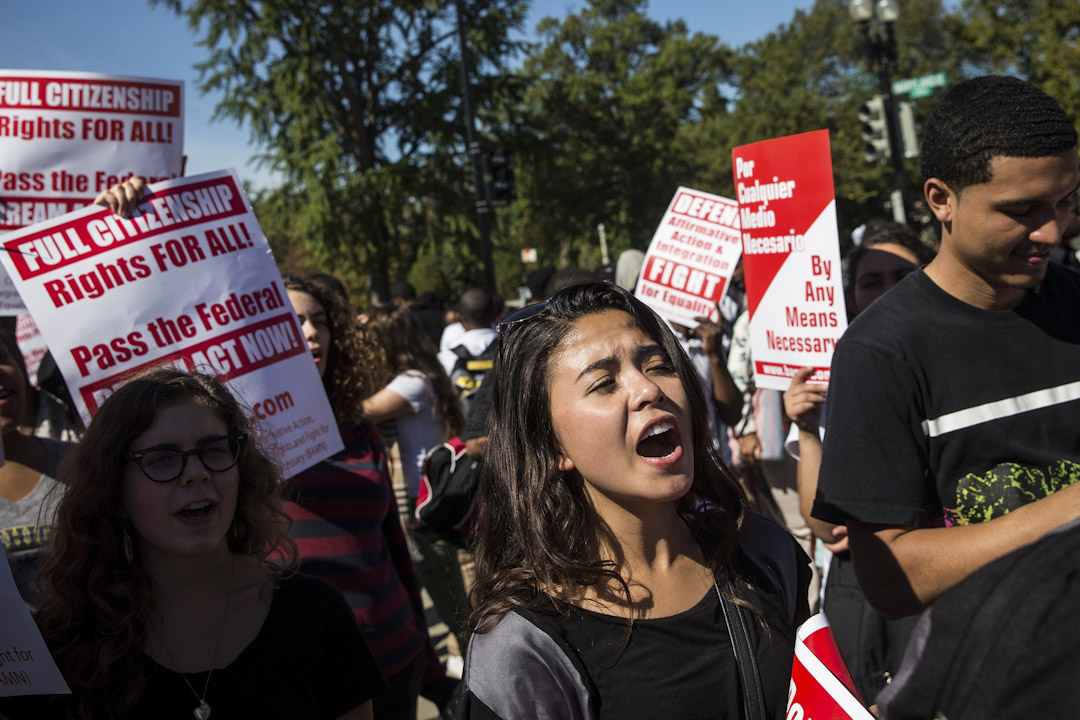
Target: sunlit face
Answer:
pixel 1000 233
pixel 190 515
pixel 12 391
pixel 620 413
pixel 316 326
pixel 881 267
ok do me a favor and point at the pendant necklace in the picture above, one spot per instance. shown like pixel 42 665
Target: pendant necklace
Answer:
pixel 202 712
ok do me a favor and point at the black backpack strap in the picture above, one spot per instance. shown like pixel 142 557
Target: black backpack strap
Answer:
pixel 749 676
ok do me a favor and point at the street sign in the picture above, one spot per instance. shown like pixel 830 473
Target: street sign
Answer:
pixel 920 86
pixel 528 255
pixel 865 81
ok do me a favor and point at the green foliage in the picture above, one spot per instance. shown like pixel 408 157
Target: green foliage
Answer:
pixel 596 141
pixel 1038 40
pixel 810 74
pixel 357 103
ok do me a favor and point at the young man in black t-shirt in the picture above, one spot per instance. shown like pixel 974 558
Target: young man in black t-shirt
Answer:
pixel 954 402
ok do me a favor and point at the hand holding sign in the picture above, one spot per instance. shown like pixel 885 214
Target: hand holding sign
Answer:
pixel 122 198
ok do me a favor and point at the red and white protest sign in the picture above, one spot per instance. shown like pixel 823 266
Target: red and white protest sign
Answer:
pixel 188 280
pixel 821 686
pixel 31 345
pixel 66 136
pixel 691 257
pixel 791 256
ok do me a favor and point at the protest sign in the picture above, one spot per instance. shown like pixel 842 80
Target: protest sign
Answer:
pixel 188 280
pixel 26 668
pixel 791 256
pixel 31 345
pixel 66 136
pixel 691 257
pixel 821 686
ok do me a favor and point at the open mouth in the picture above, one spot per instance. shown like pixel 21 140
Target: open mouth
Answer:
pixel 197 510
pixel 660 441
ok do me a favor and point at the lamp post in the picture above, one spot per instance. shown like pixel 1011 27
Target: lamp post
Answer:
pixel 483 204
pixel 879 42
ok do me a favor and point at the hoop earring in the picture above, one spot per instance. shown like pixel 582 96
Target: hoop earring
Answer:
pixel 127 545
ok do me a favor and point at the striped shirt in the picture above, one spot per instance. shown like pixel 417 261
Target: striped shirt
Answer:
pixel 347 530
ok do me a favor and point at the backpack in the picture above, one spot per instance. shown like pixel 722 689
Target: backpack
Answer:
pixel 468 374
pixel 1004 643
pixel 449 481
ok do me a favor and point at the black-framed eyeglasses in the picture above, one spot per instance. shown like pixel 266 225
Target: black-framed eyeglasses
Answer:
pixel 517 317
pixel 164 465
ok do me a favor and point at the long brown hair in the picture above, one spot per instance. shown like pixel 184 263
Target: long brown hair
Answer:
pixel 537 532
pixel 408 347
pixel 96 597
pixel 351 357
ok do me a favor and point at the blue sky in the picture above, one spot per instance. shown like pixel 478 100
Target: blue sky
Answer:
pixel 128 37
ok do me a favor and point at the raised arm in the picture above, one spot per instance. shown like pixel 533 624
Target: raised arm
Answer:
pixel 802 405
pixel 725 393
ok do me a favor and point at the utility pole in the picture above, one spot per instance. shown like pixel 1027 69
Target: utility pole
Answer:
pixel 483 205
pixel 880 45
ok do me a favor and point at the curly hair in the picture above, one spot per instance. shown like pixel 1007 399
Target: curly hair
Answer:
pixel 408 347
pixel 987 117
pixel 536 530
pixel 352 356
pixel 96 597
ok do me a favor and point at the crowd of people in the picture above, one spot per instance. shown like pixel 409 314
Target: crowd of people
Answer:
pixel 651 528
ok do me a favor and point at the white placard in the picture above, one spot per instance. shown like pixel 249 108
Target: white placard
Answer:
pixel 791 256
pixel 188 280
pixel 26 668
pixel 691 257
pixel 66 136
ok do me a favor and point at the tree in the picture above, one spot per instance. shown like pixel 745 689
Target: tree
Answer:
pixel 811 74
pixel 1038 40
pixel 357 104
pixel 607 90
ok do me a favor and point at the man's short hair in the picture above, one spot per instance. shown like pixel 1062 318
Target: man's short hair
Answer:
pixel 402 290
pixel 476 309
pixel 987 117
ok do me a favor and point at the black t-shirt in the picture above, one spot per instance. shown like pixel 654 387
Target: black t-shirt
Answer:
pixel 686 661
pixel 683 666
pixel 942 411
pixel 308 661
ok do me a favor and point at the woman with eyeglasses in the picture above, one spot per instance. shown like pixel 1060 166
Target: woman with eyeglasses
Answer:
pixel 619 572
pixel 346 519
pixel 169 588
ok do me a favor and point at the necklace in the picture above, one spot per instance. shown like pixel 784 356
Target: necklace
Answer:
pixel 202 712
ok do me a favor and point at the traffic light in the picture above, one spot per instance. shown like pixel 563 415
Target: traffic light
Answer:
pixel 501 182
pixel 909 134
pixel 875 128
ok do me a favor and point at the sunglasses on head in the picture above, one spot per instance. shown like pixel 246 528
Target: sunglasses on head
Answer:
pixel 517 317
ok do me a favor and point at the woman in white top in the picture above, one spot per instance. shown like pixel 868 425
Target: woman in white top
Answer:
pixel 417 395
pixel 416 392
